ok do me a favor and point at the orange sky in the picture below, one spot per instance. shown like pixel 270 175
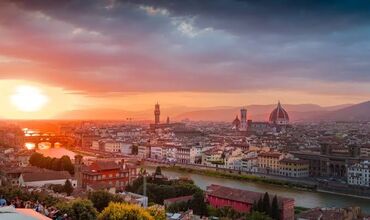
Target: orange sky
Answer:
pixel 60 100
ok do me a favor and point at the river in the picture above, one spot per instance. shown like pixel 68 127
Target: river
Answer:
pixel 302 198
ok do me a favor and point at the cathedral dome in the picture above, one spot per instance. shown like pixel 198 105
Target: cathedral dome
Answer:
pixel 279 116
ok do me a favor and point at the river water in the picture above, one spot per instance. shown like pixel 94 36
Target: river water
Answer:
pixel 302 198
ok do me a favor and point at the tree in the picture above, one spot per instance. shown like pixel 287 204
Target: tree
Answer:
pixel 124 211
pixel 275 213
pixel 198 205
pixel 260 205
pixel 228 212
pixel 68 188
pixel 157 212
pixel 266 203
pixel 158 171
pixel 101 199
pixel 257 216
pixel 80 209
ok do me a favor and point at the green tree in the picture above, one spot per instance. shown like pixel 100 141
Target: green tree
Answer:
pixel 100 199
pixel 266 203
pixel 260 205
pixel 116 211
pixel 198 205
pixel 78 209
pixel 68 188
pixel 158 171
pixel 257 216
pixel 228 212
pixel 275 213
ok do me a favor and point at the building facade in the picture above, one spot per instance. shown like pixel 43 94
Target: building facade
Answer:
pixel 359 174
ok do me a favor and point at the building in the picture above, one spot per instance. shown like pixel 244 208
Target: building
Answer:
pixel 112 146
pixel 157 123
pixel 156 152
pixel 268 162
pixel 176 200
pixel 126 148
pixel 157 114
pixel 279 116
pixel 351 213
pixel 332 160
pixel 242 200
pixel 236 123
pixel 243 119
pixel 42 178
pixel 105 171
pixel 183 155
pixel 293 167
pixel 144 151
pixel 359 174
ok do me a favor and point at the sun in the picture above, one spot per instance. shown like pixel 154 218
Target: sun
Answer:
pixel 28 98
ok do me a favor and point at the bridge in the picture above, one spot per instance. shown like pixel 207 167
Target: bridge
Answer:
pixel 51 139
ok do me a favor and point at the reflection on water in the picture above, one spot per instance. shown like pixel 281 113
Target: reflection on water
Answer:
pixel 30 146
pixel 56 152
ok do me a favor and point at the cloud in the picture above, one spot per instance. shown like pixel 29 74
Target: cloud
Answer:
pixel 208 45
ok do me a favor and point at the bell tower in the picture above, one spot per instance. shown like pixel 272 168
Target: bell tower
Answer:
pixel 157 113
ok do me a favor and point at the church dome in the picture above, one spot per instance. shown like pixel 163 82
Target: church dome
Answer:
pixel 279 116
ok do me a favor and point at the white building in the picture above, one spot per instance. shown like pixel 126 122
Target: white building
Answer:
pixel 359 174
pixel 156 152
pixel 143 151
pixel 112 146
pixel 126 148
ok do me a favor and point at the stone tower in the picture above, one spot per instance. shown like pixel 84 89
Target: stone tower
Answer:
pixel 157 113
pixel 78 170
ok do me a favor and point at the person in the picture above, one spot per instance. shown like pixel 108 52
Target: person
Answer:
pixel 2 201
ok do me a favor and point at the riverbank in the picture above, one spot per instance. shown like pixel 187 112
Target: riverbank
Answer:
pixel 237 176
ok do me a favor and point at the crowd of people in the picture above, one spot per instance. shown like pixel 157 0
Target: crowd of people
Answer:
pixel 50 212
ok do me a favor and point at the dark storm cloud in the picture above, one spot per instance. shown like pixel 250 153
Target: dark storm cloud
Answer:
pixel 187 45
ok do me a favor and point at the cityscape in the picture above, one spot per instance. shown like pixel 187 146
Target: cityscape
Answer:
pixel 251 110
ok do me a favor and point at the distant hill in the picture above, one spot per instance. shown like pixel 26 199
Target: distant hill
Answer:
pixel 300 112
pixel 358 112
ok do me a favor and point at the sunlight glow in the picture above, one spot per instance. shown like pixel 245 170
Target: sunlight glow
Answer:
pixel 28 98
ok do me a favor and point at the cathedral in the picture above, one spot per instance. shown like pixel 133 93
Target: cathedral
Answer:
pixel 277 121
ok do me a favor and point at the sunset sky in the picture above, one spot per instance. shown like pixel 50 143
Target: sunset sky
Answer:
pixel 58 56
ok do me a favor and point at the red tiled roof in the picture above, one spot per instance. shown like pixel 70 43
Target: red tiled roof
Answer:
pixel 178 199
pixel 46 175
pixel 270 154
pixel 100 165
pixel 238 194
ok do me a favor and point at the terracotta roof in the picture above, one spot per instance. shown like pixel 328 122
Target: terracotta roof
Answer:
pixel 101 165
pixel 238 194
pixel 178 199
pixel 278 114
pixel 46 175
pixel 270 154
pixel 287 160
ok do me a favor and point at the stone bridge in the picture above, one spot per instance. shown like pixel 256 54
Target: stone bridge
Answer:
pixel 52 139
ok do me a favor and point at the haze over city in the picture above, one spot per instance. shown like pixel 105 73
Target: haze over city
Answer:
pixel 127 55
pixel 184 110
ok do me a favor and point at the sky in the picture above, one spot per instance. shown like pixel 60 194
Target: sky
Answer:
pixel 129 54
